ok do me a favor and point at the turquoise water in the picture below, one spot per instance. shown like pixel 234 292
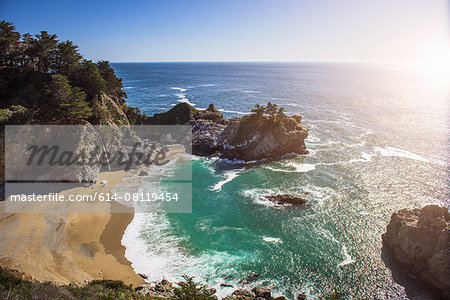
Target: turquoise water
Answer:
pixel 378 142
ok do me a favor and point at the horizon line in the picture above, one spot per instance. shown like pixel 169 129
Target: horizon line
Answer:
pixel 271 61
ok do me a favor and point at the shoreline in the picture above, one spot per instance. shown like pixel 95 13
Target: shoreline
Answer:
pixel 73 247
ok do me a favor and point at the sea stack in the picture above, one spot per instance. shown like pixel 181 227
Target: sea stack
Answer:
pixel 253 137
pixel 418 240
pixel 265 133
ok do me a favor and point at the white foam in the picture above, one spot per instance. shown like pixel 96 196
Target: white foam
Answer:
pixel 319 194
pixel 301 168
pixel 154 251
pixel 186 101
pixel 327 234
pixel 179 89
pixel 250 92
pixel 293 168
pixel 293 104
pixel 392 151
pixel 182 98
pixel 312 139
pixel 366 157
pixel 128 87
pixel 229 176
pixel 325 121
pixel 273 240
pixel 348 259
pixel 233 111
pixel 258 196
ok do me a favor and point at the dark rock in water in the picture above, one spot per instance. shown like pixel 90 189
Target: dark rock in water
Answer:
pixel 143 276
pixel 419 241
pixel 226 285
pixel 283 199
pixel 280 298
pixel 243 292
pixel 262 293
pixel 250 278
pixel 143 173
pixel 301 297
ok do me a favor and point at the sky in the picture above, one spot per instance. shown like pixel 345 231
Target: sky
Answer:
pixel 241 30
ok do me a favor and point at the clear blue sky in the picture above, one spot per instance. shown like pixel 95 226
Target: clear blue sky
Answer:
pixel 238 30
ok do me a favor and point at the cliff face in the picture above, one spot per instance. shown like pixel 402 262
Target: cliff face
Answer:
pixel 249 138
pixel 419 241
pixel 107 111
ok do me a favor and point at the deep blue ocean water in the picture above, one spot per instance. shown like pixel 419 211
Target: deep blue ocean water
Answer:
pixel 379 142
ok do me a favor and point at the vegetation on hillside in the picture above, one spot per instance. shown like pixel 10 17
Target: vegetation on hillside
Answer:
pixel 189 289
pixel 13 285
pixel 47 81
pixel 263 119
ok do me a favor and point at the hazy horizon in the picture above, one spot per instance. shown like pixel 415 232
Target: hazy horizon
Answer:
pixel 263 31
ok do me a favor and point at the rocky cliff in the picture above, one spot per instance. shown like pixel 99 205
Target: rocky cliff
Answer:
pixel 253 137
pixel 419 241
pixel 250 138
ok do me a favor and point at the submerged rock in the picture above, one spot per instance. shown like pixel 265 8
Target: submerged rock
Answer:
pixel 283 199
pixel 418 240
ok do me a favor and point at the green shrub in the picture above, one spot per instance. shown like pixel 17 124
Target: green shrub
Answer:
pixel 15 114
pixel 13 283
pixel 191 290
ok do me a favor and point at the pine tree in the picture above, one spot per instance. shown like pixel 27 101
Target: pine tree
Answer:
pixel 69 102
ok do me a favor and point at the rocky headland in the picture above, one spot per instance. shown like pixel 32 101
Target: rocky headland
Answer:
pixel 418 240
pixel 267 133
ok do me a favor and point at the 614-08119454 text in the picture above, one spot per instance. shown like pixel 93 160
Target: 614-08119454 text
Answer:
pixel 106 197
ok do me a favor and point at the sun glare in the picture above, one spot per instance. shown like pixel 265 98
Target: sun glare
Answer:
pixel 436 65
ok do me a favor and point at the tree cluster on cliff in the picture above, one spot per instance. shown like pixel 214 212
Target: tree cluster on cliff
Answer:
pixel 263 119
pixel 45 80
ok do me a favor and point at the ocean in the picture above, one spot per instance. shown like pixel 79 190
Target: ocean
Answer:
pixel 378 142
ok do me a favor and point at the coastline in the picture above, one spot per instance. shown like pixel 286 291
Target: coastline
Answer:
pixel 73 247
pixel 70 248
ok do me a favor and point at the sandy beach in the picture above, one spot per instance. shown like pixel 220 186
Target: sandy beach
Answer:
pixel 72 247
pixel 69 248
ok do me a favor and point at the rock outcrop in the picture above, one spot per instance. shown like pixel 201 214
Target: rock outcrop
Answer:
pixel 286 199
pixel 107 111
pixel 166 290
pixel 161 290
pixel 250 138
pixel 419 241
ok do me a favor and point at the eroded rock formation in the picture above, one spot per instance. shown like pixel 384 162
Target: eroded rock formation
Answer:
pixel 418 240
